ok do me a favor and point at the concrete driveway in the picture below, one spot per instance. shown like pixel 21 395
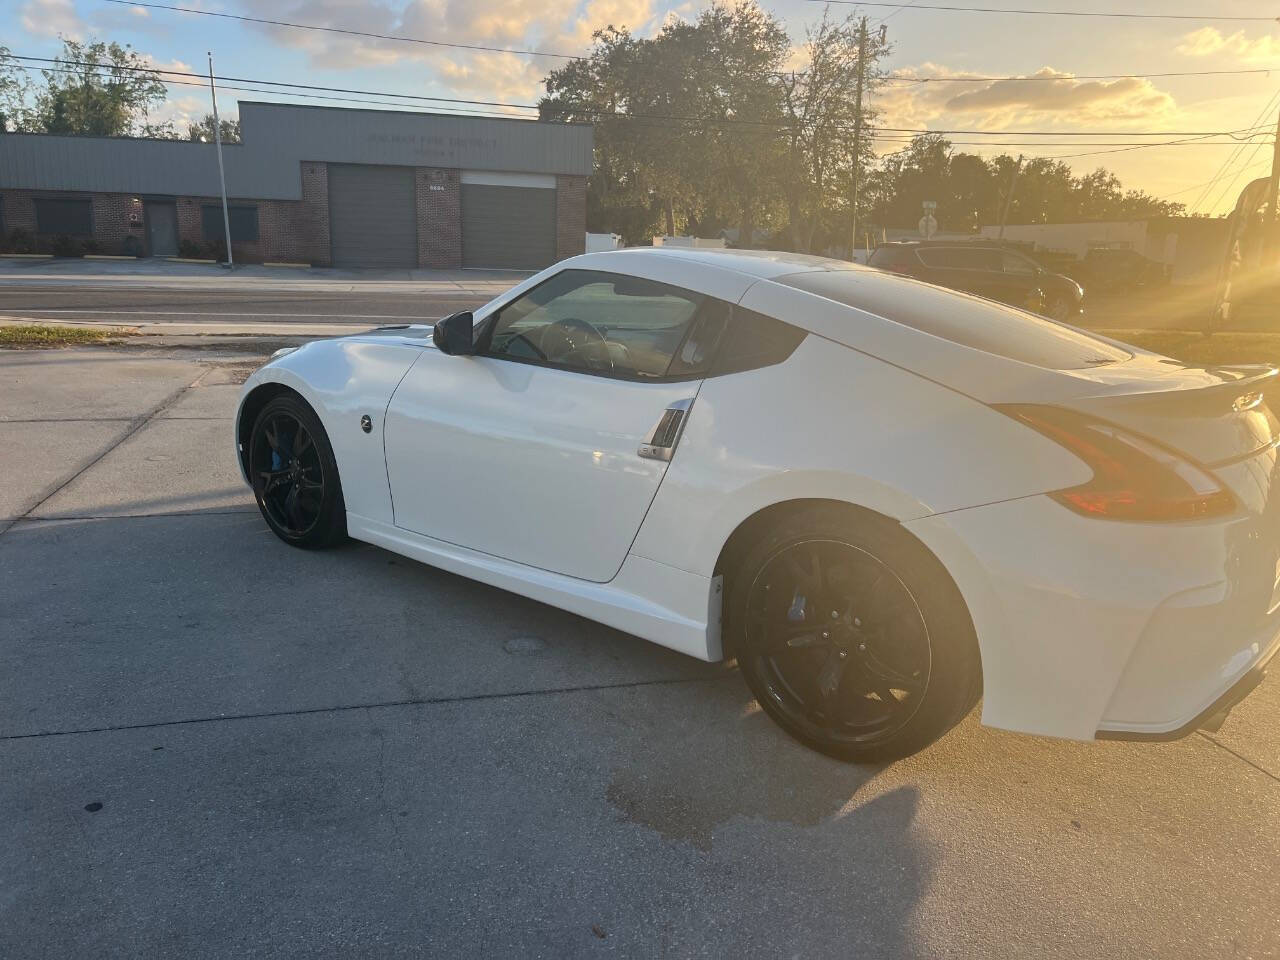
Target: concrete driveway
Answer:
pixel 214 745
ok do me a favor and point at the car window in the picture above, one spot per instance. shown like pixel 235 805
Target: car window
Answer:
pixel 961 258
pixel 887 255
pixel 1018 266
pixel 604 323
pixel 755 340
pixel 981 324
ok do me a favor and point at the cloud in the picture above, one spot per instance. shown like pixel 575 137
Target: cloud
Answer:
pixel 561 26
pixel 1048 98
pixel 49 18
pixel 1208 41
pixel 175 66
pixel 181 111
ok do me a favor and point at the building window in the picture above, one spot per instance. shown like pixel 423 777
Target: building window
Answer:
pixel 244 222
pixel 64 216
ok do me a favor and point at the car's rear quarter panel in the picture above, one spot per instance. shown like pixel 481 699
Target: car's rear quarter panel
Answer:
pixel 833 423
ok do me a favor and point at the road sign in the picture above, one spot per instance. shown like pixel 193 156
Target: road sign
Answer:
pixel 930 206
pixel 928 226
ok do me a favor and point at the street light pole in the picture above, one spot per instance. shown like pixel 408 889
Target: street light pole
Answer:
pixel 222 176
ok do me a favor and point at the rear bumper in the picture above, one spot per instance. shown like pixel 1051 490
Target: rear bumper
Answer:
pixel 1090 628
pixel 1212 716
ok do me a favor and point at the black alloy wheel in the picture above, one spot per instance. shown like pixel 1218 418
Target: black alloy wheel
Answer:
pixel 851 634
pixel 839 640
pixel 294 475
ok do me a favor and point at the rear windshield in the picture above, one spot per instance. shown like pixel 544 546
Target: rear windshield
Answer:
pixel 884 256
pixel 972 322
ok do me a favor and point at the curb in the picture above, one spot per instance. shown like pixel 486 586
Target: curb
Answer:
pixel 292 266
pixel 26 256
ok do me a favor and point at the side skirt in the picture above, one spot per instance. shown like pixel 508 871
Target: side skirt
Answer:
pixel 660 603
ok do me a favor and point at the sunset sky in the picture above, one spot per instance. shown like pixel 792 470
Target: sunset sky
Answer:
pixel 927 43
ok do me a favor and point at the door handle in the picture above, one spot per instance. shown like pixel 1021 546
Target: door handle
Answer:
pixel 660 444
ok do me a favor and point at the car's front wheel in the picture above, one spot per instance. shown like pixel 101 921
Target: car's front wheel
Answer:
pixel 295 476
pixel 1062 310
pixel 852 636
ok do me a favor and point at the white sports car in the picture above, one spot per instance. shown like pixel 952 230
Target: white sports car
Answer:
pixel 883 498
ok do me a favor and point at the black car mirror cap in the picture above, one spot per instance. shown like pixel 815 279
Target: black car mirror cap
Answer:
pixel 454 334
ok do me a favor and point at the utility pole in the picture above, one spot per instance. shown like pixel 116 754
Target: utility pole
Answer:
pixel 1274 186
pixel 1013 182
pixel 857 137
pixel 1271 242
pixel 222 176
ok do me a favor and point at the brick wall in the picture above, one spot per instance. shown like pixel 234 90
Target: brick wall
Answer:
pixel 571 216
pixel 110 217
pixel 315 218
pixel 288 230
pixel 439 201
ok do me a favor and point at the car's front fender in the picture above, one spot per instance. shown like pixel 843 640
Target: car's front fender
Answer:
pixel 342 380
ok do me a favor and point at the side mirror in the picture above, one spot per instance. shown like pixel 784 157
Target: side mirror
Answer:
pixel 453 335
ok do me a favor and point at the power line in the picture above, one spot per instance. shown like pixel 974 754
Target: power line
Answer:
pixel 309 96
pixel 1232 182
pixel 63 66
pixel 1043 13
pixel 351 33
pixel 279 83
pixel 897 78
pixel 1197 186
pixel 1221 171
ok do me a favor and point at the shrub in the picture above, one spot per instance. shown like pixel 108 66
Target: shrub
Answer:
pixel 66 246
pixel 18 241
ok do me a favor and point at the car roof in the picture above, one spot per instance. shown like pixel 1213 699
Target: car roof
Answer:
pixel 762 264
pixel 983 243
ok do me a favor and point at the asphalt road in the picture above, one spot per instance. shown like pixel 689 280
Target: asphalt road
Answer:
pixel 332 303
pixel 213 745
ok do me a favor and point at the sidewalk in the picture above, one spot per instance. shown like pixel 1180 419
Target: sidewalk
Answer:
pixel 162 274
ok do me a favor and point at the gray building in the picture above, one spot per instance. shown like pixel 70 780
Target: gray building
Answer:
pixel 320 185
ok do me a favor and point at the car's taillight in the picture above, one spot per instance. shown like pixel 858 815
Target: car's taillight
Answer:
pixel 1134 478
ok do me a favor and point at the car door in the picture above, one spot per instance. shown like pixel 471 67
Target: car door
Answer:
pixel 547 447
pixel 1019 285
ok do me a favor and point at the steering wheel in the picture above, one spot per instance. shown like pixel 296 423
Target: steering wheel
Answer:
pixel 569 337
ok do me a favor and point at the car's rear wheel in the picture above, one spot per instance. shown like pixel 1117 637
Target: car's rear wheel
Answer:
pixel 295 476
pixel 1061 310
pixel 852 636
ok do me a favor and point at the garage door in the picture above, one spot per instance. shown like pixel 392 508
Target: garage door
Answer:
pixel 511 227
pixel 372 216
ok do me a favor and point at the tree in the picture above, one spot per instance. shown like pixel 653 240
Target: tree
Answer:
pixel 93 89
pixel 98 89
pixel 678 130
pixel 15 114
pixel 202 131
pixel 820 107
pixel 970 190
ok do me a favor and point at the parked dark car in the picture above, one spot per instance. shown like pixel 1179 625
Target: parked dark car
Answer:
pixel 1120 270
pixel 986 269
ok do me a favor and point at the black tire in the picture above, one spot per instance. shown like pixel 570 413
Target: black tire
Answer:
pixel 298 491
pixel 916 647
pixel 1061 310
